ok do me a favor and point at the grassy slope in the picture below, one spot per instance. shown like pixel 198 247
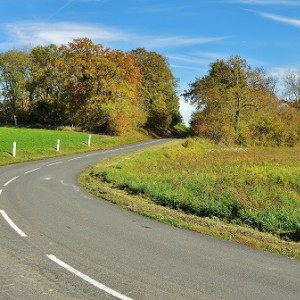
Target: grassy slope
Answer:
pixel 33 144
pixel 224 191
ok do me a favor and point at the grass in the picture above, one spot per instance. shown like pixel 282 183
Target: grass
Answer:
pixel 33 144
pixel 251 196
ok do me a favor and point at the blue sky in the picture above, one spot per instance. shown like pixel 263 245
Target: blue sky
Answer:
pixel 190 33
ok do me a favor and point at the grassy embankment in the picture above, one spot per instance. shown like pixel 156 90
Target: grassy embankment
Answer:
pixel 251 196
pixel 33 144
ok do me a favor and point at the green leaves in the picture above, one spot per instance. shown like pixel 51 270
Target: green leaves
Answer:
pixel 158 96
pixel 88 86
pixel 237 104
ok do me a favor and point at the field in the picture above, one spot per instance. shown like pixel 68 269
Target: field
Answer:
pixel 257 188
pixel 35 144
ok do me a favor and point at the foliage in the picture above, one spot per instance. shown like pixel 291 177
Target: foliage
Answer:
pixel 254 187
pixel 85 85
pixel 237 104
pixel 14 75
pixel 45 87
pixel 158 96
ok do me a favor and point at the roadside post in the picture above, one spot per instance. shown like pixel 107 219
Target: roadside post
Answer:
pixel 58 145
pixel 89 141
pixel 14 151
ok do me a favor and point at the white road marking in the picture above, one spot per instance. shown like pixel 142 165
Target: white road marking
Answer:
pixel 33 170
pixel 0 192
pixel 76 188
pixel 12 224
pixel 88 279
pixel 9 181
pixel 55 163
pixel 75 158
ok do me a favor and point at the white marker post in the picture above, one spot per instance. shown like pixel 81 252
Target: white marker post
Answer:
pixel 89 141
pixel 14 151
pixel 57 145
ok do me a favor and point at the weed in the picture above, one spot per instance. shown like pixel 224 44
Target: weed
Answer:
pixel 255 187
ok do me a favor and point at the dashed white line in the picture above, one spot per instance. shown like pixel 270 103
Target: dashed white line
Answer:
pixel 0 192
pixel 55 163
pixel 75 158
pixel 88 279
pixel 12 224
pixel 33 170
pixel 9 181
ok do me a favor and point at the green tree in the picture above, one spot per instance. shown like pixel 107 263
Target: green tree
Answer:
pixel 228 97
pixel 158 93
pixel 14 77
pixel 45 86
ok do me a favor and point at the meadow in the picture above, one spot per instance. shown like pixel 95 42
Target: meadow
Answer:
pixel 257 188
pixel 33 144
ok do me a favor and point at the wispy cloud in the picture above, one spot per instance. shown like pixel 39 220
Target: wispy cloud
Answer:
pixel 277 18
pixel 29 34
pixel 32 33
pixel 201 58
pixel 176 41
pixel 267 2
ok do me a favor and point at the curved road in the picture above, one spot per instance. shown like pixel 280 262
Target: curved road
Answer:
pixel 57 242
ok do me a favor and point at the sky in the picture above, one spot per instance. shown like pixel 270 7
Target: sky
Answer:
pixel 191 34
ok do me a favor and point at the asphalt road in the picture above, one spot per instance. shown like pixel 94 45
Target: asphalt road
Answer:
pixel 57 242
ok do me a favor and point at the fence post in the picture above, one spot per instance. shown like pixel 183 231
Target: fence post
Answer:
pixel 14 152
pixel 57 145
pixel 89 141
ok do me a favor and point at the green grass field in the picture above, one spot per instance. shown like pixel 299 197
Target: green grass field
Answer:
pixel 35 144
pixel 257 187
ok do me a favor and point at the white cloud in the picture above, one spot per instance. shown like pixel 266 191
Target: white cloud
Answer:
pixel 175 41
pixel 190 59
pixel 32 33
pixel 277 18
pixel 29 34
pixel 201 58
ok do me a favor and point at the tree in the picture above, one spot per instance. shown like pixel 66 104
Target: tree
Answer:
pixel 125 111
pixel 101 87
pixel 78 65
pixel 291 81
pixel 45 86
pixel 158 96
pixel 227 97
pixel 14 77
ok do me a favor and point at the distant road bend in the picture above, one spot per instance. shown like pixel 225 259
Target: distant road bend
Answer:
pixel 57 242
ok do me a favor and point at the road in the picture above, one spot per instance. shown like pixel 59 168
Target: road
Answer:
pixel 57 242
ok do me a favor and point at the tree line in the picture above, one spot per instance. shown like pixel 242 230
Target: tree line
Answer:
pixel 239 104
pixel 88 86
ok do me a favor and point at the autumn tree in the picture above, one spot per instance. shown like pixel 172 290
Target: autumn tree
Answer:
pixel 101 87
pixel 158 93
pixel 85 85
pixel 125 111
pixel 78 65
pixel 228 97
